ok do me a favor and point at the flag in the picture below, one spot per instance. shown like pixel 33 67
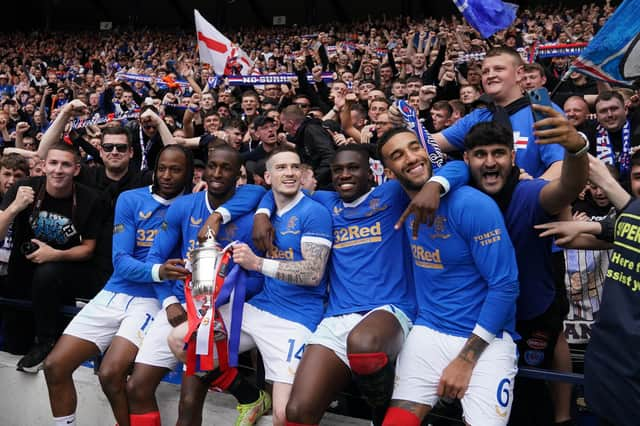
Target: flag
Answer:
pixel 613 55
pixel 487 16
pixel 217 50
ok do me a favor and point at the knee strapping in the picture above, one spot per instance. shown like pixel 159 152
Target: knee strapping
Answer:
pixel 367 363
pixel 400 417
pixel 146 419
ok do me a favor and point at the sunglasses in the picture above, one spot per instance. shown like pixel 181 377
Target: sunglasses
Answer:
pixel 302 105
pixel 120 147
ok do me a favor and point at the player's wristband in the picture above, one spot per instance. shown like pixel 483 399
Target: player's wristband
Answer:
pixel 269 268
pixel 582 151
pixel 155 273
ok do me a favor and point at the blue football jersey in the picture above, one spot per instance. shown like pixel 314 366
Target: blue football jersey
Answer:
pixel 371 261
pixel 178 236
pixel 138 217
pixel 534 158
pixel 465 267
pixel 304 220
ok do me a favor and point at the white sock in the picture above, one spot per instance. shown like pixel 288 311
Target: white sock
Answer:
pixel 69 420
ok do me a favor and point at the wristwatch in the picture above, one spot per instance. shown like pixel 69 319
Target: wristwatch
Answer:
pixel 583 150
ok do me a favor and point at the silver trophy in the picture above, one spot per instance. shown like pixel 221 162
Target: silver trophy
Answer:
pixel 205 262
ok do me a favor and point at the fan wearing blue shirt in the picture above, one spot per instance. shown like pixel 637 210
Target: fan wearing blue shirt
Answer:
pixel 119 317
pixel 502 70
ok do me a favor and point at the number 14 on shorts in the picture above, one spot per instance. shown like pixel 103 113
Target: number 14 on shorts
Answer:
pixel 297 354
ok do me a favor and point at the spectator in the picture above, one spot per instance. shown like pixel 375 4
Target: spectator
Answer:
pixel 614 135
pixel 55 226
pixel 312 142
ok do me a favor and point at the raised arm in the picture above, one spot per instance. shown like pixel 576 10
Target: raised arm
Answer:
pixel 599 175
pixel 165 134
pixel 54 132
pixel 561 192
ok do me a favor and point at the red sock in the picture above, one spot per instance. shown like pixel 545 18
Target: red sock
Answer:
pixel 146 419
pixel 399 417
pixel 288 423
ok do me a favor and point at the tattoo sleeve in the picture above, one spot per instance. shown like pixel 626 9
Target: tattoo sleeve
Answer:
pixel 308 271
pixel 472 349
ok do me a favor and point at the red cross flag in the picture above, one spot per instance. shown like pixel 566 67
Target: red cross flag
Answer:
pixel 218 51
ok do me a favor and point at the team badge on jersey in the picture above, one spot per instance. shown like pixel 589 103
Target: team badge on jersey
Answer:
pixel 292 224
pixel 375 207
pixel 440 227
pixel 144 216
pixel 118 228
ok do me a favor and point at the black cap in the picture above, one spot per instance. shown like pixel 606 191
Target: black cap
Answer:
pixel 197 163
pixel 261 120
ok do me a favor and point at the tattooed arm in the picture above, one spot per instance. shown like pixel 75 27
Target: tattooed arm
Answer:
pixel 308 271
pixel 455 378
pixel 472 349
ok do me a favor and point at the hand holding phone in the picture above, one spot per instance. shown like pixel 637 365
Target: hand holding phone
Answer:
pixel 539 97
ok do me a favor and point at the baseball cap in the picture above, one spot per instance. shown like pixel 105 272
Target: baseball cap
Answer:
pixel 261 120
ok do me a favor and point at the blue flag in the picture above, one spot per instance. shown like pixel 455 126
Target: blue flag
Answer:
pixel 613 55
pixel 487 16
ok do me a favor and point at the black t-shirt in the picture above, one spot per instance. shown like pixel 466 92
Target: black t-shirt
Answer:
pixel 589 207
pixel 255 155
pixel 108 190
pixel 612 370
pixel 56 221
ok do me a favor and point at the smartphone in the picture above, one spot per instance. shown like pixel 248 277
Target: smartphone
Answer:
pixel 539 97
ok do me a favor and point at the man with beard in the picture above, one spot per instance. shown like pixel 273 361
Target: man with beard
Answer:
pixel 540 311
pixel 466 285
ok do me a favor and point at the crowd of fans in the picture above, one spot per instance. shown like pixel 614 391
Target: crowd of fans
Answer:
pixel 63 86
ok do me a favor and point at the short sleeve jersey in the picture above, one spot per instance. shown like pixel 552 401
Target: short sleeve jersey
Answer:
pixel 533 158
pixel 304 220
